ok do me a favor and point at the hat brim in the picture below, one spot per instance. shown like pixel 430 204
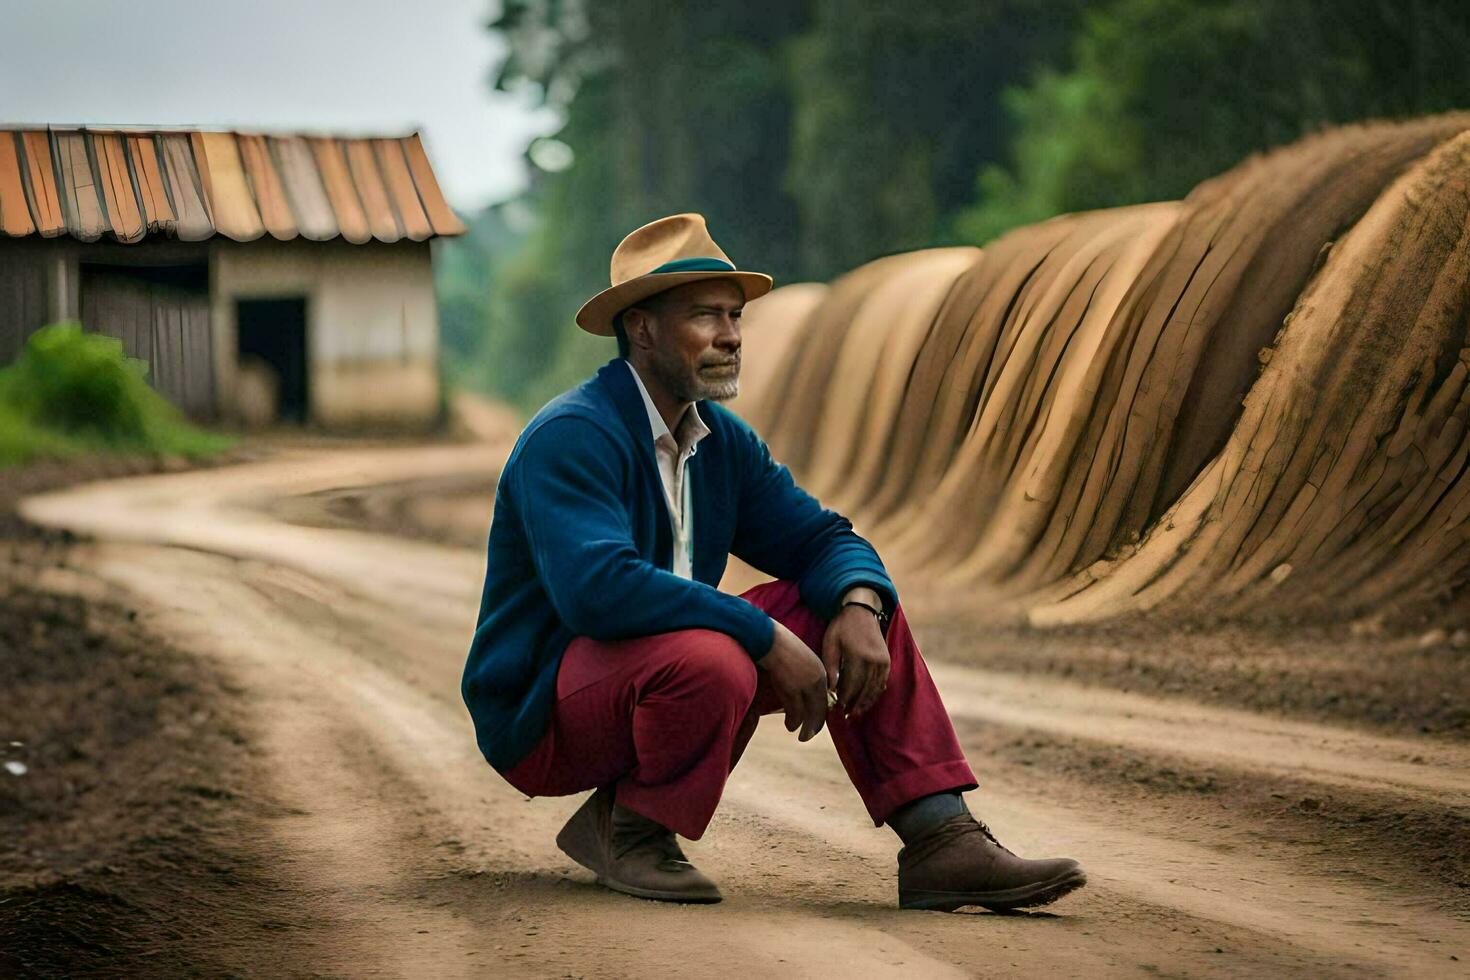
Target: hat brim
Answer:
pixel 596 315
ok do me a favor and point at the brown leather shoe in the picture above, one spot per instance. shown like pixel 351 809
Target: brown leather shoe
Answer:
pixel 959 863
pixel 632 854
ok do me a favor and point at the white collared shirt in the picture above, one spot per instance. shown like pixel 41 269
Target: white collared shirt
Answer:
pixel 673 452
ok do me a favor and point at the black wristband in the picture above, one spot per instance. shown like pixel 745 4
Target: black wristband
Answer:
pixel 882 616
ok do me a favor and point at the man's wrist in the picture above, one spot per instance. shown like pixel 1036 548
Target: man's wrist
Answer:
pixel 865 595
pixel 867 598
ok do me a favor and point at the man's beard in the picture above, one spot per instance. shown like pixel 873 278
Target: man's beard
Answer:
pixel 720 389
pixel 696 386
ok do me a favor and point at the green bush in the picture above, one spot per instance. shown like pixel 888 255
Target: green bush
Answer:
pixel 71 392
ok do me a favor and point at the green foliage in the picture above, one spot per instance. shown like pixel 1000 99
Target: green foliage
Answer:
pixel 666 109
pixel 1162 94
pixel 1076 148
pixel 71 392
pixel 818 134
pixel 895 104
pixel 804 131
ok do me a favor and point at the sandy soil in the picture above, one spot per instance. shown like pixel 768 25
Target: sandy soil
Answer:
pixel 1220 838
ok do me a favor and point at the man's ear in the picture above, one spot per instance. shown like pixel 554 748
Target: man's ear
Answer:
pixel 636 324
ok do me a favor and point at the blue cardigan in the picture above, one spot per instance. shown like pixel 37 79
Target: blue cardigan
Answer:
pixel 580 545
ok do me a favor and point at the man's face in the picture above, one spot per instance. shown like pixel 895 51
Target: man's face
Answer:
pixel 690 339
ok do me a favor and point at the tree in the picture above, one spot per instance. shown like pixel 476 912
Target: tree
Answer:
pixel 1161 94
pixel 895 102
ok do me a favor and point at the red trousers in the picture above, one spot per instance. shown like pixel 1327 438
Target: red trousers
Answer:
pixel 666 717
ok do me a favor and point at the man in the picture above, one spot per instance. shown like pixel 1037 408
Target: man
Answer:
pixel 606 659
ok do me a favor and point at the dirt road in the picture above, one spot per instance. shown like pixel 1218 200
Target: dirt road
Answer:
pixel 419 861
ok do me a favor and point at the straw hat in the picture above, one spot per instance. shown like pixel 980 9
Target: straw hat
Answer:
pixel 661 255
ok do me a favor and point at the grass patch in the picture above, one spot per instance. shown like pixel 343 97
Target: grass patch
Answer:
pixel 71 393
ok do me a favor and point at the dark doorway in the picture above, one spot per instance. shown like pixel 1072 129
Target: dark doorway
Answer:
pixel 274 330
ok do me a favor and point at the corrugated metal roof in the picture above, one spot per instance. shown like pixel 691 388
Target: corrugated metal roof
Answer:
pixel 190 185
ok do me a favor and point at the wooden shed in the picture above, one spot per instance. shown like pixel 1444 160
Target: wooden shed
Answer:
pixel 261 276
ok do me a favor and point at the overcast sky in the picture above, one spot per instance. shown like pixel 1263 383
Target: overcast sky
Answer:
pixel 345 66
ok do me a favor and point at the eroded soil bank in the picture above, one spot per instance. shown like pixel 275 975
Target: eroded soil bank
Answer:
pixel 131 805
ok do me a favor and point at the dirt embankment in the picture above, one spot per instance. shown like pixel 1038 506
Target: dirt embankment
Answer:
pixel 128 803
pixel 135 799
pixel 129 792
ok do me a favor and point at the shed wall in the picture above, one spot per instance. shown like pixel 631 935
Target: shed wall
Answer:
pixel 24 299
pixel 372 324
pixel 108 287
pixel 164 325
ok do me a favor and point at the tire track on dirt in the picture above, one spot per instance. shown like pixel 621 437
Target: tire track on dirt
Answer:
pixel 1435 772
pixel 344 758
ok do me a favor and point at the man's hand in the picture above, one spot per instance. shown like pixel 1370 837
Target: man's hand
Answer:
pixel 799 680
pixel 856 658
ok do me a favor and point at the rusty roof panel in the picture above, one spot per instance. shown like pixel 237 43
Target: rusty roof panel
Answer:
pixel 185 190
pixel 442 218
pixel 40 178
pixel 270 197
pixel 158 213
pixel 201 168
pixel 85 217
pixel 15 216
pixel 303 183
pixel 382 222
pixel 193 184
pixel 332 165
pixel 116 181
pixel 394 168
pixel 230 200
